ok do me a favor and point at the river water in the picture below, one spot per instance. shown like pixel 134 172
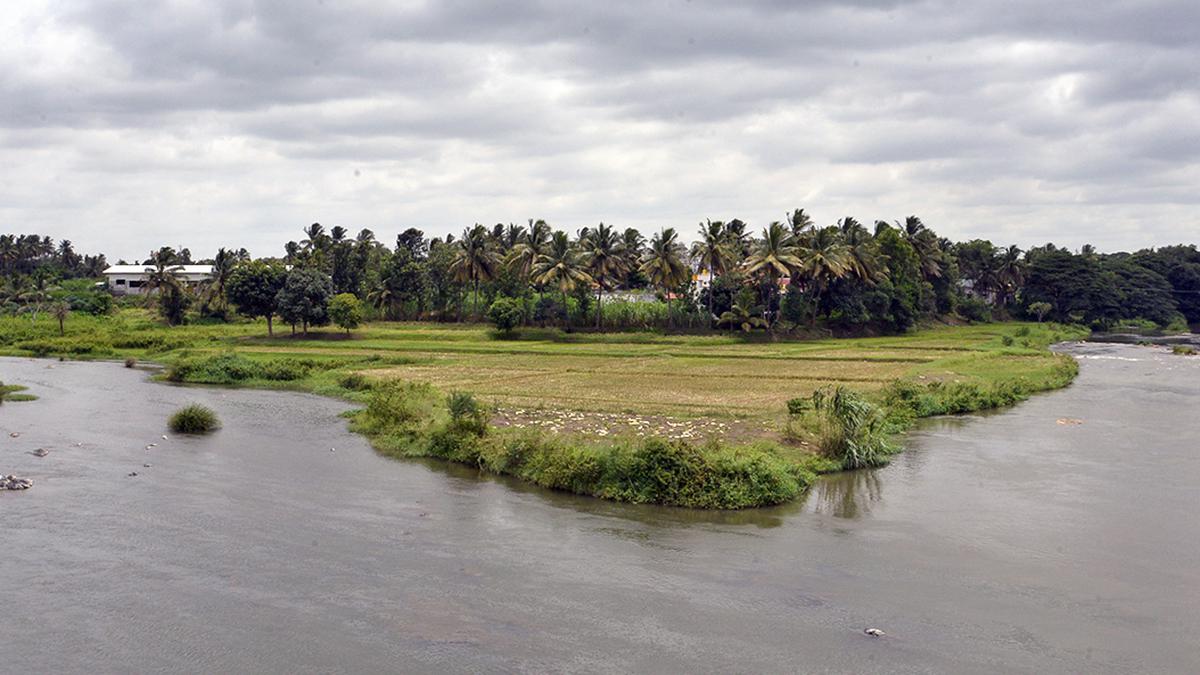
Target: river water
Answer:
pixel 1000 543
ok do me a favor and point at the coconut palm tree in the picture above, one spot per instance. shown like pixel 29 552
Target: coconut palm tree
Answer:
pixel 632 245
pixel 1010 274
pixel 475 260
pixel 561 266
pixel 865 261
pixel 603 258
pixel 222 268
pixel 823 258
pixel 663 264
pixel 775 256
pixel 800 222
pixel 711 253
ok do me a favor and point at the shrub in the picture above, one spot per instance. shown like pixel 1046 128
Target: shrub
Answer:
pixel 851 429
pixel 506 314
pixel 1007 340
pixel 193 419
pixel 465 413
pixel 797 406
pixel 397 404
pixel 975 310
pixel 1183 350
pixel 130 362
pixel 354 382
pixel 346 311
pixel 1023 331
pixel 231 368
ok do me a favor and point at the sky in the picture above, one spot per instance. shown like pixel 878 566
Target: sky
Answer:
pixel 127 125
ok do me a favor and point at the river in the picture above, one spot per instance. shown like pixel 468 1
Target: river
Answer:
pixel 999 543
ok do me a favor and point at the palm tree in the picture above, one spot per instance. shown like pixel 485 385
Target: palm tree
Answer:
pixel 603 257
pixel 523 255
pixel 561 266
pixel 711 253
pixel 663 264
pixel 632 245
pixel 222 268
pixel 744 315
pixel 925 244
pixel 160 277
pixel 1010 274
pixel 776 256
pixel 864 260
pixel 800 222
pixel 475 260
pixel 823 258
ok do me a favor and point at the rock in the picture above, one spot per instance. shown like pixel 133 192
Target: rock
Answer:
pixel 164 437
pixel 331 450
pixel 132 474
pixel 874 632
pixel 146 466
pixel 1069 421
pixel 15 434
pixel 40 452
pixel 13 483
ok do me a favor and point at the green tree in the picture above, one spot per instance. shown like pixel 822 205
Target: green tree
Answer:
pixel 775 256
pixel 506 314
pixel 475 260
pixel 254 288
pixel 711 252
pixel 345 310
pixel 663 264
pixel 823 258
pixel 603 256
pixel 304 298
pixel 561 266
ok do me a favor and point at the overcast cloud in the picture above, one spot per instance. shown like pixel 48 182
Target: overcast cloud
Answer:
pixel 237 122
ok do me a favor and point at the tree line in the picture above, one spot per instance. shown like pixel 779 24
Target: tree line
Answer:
pixel 791 275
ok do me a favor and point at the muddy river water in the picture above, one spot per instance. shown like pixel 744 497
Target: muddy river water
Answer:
pixel 1000 543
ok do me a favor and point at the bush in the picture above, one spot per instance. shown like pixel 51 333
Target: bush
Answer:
pixel 232 368
pixel 506 314
pixel 354 382
pixel 1007 340
pixel 465 413
pixel 193 419
pixel 395 404
pixel 852 430
pixel 975 310
pixel 346 311
pixel 130 362
pixel 797 406
pixel 1183 350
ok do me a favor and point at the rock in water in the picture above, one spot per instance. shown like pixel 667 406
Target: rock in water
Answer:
pixel 40 452
pixel 132 474
pixel 13 483
pixel 874 632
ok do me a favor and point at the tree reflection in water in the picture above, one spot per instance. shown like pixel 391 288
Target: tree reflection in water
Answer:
pixel 846 495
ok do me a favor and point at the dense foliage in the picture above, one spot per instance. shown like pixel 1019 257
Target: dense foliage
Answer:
pixel 193 419
pixel 794 276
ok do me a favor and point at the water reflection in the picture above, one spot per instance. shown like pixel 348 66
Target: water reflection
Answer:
pixel 846 495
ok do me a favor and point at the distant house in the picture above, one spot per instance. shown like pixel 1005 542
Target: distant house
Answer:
pixel 131 279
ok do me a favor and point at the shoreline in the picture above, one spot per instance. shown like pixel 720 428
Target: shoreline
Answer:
pixel 706 474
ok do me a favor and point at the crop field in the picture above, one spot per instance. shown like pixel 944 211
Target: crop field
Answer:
pixel 743 381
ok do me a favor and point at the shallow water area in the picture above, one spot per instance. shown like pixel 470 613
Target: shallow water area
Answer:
pixel 997 543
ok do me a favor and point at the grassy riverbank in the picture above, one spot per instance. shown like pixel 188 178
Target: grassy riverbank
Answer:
pixel 691 420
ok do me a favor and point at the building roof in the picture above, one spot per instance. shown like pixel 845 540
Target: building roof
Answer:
pixel 143 269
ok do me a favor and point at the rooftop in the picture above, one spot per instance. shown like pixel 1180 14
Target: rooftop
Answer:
pixel 143 269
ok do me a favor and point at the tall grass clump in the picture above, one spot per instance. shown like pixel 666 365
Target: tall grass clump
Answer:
pixel 193 419
pixel 851 429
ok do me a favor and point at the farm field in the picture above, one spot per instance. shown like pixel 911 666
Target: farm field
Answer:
pixel 725 376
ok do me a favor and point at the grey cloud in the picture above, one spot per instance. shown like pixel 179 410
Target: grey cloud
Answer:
pixel 257 112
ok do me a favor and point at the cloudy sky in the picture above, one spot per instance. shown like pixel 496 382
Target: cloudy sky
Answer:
pixel 125 125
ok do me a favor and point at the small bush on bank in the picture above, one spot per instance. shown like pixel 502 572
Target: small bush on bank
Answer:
pixel 130 362
pixel 1183 350
pixel 232 368
pixel 851 429
pixel 354 382
pixel 193 419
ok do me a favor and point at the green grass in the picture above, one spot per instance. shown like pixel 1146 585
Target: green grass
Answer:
pixel 193 419
pixel 747 383
pixel 10 393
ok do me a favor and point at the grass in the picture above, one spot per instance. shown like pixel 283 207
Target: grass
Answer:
pixel 10 393
pixel 717 406
pixel 193 419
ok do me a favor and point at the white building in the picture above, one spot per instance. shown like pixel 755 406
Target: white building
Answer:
pixel 131 279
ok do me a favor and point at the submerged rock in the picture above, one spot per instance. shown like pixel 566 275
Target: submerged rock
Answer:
pixel 40 452
pixel 14 483
pixel 874 632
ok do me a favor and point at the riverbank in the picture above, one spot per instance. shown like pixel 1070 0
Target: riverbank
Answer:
pixel 709 422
